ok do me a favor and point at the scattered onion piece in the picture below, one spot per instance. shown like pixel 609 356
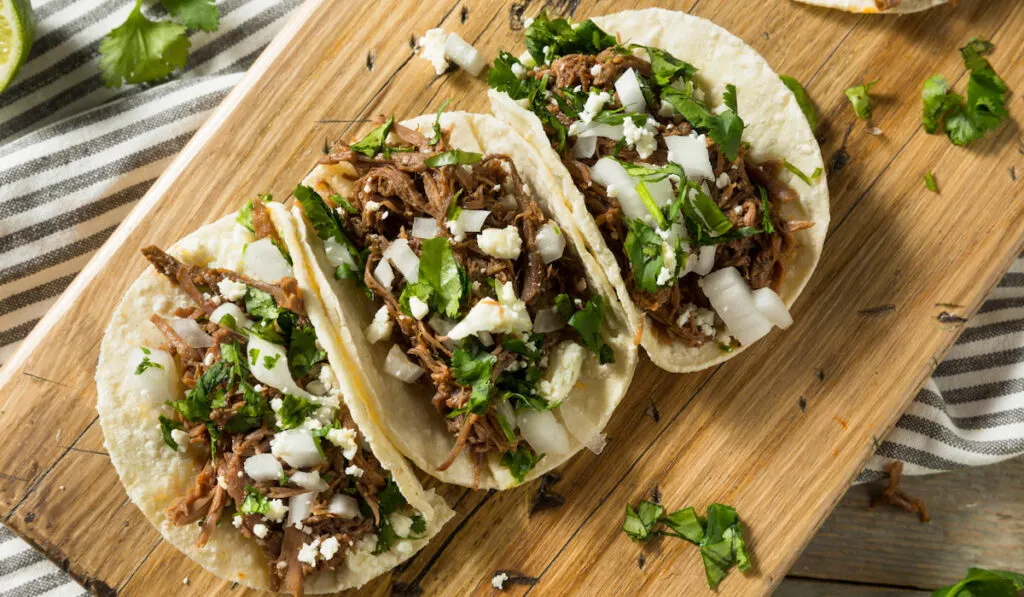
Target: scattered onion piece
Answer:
pixel 464 54
pixel 771 306
pixel 630 94
pixel 732 300
pixel 190 332
pixel 398 365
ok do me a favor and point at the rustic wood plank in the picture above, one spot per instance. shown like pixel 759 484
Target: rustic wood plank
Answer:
pixel 977 520
pixel 792 587
pixel 735 434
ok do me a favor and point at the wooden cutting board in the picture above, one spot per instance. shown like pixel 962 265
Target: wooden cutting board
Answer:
pixel 778 432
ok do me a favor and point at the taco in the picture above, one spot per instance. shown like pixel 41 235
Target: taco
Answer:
pixel 489 343
pixel 688 167
pixel 878 6
pixel 235 433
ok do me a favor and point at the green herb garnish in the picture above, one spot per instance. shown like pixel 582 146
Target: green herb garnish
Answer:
pixel 860 99
pixel 520 462
pixel 454 157
pixel 985 107
pixel 802 99
pixel 929 182
pixel 166 426
pixel 985 583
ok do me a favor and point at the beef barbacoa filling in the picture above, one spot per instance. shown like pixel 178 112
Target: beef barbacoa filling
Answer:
pixel 304 510
pixel 572 78
pixel 470 268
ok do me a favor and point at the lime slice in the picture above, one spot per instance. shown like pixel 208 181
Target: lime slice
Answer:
pixel 17 31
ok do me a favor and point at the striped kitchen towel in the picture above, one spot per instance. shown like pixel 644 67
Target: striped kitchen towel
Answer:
pixel 75 156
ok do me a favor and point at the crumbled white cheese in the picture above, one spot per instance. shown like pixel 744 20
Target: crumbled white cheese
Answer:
pixel 344 438
pixel 184 581
pixel 329 547
pixel 326 377
pixel 668 268
pixel 209 358
pixel 595 103
pixel 380 328
pixel 506 315
pixel 722 181
pixel 564 371
pixel 526 58
pixel 308 552
pixel 595 70
pixel 683 319
pixel 222 483
pixel 276 510
pixel 260 530
pixel 371 206
pixel 498 581
pixel 231 290
pixel 354 471
pixel 641 138
pixel 237 521
pixel 527 22
pixel 458 233
pixel 418 308
pixel 503 243
pixel 180 437
pixel 432 49
pixel 705 320
pixel 518 70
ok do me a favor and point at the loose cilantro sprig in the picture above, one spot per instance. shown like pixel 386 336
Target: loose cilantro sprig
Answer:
pixel 860 99
pixel 985 583
pixel 442 280
pixel 328 225
pixel 437 123
pixel 141 50
pixel 719 535
pixel 985 107
pixel 294 410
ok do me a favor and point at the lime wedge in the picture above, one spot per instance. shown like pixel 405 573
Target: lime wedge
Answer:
pixel 17 31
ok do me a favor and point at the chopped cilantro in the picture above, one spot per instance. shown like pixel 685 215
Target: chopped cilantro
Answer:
pixel 254 502
pixel 985 583
pixel 437 123
pixel 166 426
pixel 667 67
pixel 726 127
pixel 560 37
pixel 520 462
pixel 454 157
pixel 294 410
pixel 214 439
pixel 639 524
pixel 269 362
pixel 766 212
pixel 419 525
pixel 808 180
pixel 375 141
pixel 145 363
pixel 652 207
pixel 587 322
pixel 260 304
pixel 344 203
pixel 473 370
pixel 251 415
pixel 802 99
pixel 328 225
pixel 389 501
pixel 985 107
pixel 303 352
pixel 643 248
pixel 929 182
pixel 244 217
pixel 860 99
pixel 207 395
pixel 442 273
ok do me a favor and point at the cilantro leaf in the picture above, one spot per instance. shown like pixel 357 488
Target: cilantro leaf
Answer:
pixel 766 211
pixel 520 462
pixel 939 102
pixel 454 157
pixel 980 582
pixel 254 502
pixel 145 363
pixel 166 426
pixel 686 525
pixel 441 271
pixel 420 290
pixel 473 371
pixel 214 433
pixel 261 304
pixel 294 410
pixel 929 182
pixel 437 123
pixel 802 99
pixel 328 226
pixel 643 248
pixel 640 522
pixel 195 14
pixel 389 501
pixel 303 353
pixel 560 37
pixel 419 525
pixel 502 77
pixel 587 322
pixel 141 50
pixel 667 67
pixel 860 99
pixel 808 180
pixel 244 217
pixel 252 414
pixel 375 141
pixel 726 127
pixel 207 395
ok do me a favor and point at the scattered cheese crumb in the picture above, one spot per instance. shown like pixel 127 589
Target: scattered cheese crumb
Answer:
pixel 345 439
pixel 432 49
pixel 260 530
pixel 329 548
pixel 498 581
pixel 276 510
pixel 642 138
pixel 231 290
pixel 722 181
pixel 307 554
pixel 380 328
pixel 237 521
pixel 503 243
pixel 595 70
pixel 354 470
pixel 184 581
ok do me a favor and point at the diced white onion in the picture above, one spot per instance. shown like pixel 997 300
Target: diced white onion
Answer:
pixel 661 191
pixel 190 332
pixel 345 506
pixel 612 175
pixel 380 328
pixel 338 255
pixel 548 320
pixel 543 432
pixel 299 507
pixel 472 220
pixel 310 481
pixel 463 54
pixel 584 130
pixel 506 412
pixel 263 260
pixel 732 300
pixel 705 260
pixel 153 385
pixel 630 94
pixel 772 307
pixel 584 147
pixel 581 427
pixel 440 325
pixel 424 228
pixel 261 355
pixel 404 258
pixel 691 152
pixel 563 371
pixel 296 447
pixel 384 274
pixel 263 467
pixel 398 365
pixel 550 242
pixel 234 311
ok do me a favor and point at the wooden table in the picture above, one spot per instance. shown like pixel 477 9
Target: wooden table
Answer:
pixel 778 432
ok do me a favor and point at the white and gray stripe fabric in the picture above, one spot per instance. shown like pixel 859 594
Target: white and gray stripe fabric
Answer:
pixel 75 156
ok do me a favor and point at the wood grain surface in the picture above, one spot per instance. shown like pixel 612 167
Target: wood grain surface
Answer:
pixel 866 332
